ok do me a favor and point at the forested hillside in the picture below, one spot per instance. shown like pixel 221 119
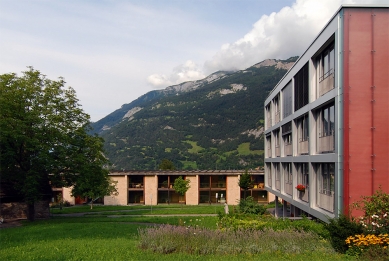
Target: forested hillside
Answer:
pixel 216 123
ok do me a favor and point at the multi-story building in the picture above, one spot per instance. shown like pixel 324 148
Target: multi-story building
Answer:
pixel 327 120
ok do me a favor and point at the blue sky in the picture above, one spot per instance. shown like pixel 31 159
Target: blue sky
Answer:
pixel 112 52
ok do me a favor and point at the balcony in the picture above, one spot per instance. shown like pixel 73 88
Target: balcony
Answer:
pixel 288 151
pixel 326 201
pixel 277 117
pixel 135 185
pixel 278 151
pixel 269 152
pixel 288 188
pixel 278 184
pixel 268 122
pixel 304 196
pixel 326 143
pixel 303 147
pixel 326 82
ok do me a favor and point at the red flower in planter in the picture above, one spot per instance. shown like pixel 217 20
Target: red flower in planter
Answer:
pixel 300 187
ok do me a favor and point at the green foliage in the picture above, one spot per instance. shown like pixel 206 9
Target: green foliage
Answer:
pixel 166 165
pixel 249 206
pixel 340 229
pixel 245 183
pixel 181 185
pixel 43 136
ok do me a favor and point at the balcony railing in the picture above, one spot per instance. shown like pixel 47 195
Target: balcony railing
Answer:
pixel 288 188
pixel 326 82
pixel 268 122
pixel 303 147
pixel 135 185
pixel 277 117
pixel 326 201
pixel 326 143
pixel 278 151
pixel 288 149
pixel 304 196
pixel 269 152
pixel 278 184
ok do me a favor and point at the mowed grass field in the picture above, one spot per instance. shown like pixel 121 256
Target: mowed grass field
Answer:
pixel 102 237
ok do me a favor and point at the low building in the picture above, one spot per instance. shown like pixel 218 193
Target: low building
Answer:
pixel 327 120
pixel 152 187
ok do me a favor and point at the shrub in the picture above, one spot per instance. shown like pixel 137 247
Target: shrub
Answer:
pixel 249 206
pixel 340 229
pixel 372 247
pixel 376 212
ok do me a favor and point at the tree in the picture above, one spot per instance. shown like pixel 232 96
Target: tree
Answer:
pixel 166 165
pixel 43 136
pixel 245 182
pixel 181 185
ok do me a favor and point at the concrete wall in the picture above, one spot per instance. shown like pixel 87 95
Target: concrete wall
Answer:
pixel 192 195
pixel 233 190
pixel 122 188
pixel 67 195
pixel 151 190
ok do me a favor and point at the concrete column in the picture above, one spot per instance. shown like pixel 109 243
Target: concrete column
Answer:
pixel 151 190
pixel 233 190
pixel 192 195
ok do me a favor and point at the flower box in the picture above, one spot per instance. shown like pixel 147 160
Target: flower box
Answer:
pixel 300 187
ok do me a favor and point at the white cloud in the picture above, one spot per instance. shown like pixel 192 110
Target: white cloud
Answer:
pixel 189 71
pixel 278 35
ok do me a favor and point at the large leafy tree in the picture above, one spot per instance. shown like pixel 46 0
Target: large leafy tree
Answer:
pixel 43 136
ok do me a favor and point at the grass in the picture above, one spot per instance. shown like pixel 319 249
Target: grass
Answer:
pixel 187 164
pixel 142 210
pixel 244 149
pixel 99 237
pixel 195 148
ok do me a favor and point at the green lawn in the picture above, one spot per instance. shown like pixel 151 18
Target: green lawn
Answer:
pixel 98 237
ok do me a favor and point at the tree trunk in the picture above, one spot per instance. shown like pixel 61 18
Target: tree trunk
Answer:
pixel 91 204
pixel 31 211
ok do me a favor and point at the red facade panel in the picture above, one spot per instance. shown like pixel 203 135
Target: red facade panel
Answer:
pixel 366 111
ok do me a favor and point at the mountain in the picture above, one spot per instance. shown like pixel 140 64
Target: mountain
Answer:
pixel 213 123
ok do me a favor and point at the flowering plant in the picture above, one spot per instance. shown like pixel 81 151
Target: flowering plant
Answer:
pixel 300 187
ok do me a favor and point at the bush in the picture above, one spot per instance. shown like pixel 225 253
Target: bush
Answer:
pixel 249 206
pixel 340 229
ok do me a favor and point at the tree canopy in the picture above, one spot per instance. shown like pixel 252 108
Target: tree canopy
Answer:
pixel 167 165
pixel 43 136
pixel 245 181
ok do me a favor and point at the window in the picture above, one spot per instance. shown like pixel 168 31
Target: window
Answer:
pixel 303 125
pixel 287 138
pixel 303 174
pixel 268 116
pixel 287 100
pixel 327 178
pixel 277 108
pixel 268 146
pixel 288 177
pixel 278 176
pixel 301 88
pixel 327 121
pixel 288 173
pixel 268 174
pixel 325 65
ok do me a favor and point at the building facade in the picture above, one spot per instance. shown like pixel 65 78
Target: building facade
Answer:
pixel 326 121
pixel 152 187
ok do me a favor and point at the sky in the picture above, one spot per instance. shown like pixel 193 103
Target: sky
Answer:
pixel 112 52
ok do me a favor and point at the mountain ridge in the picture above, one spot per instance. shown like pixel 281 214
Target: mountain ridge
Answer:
pixel 215 122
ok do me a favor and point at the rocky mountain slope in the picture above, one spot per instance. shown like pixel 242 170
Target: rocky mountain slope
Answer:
pixel 213 123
